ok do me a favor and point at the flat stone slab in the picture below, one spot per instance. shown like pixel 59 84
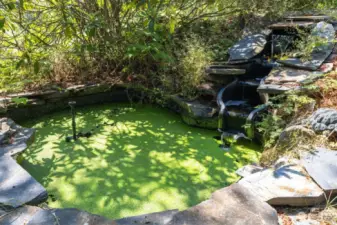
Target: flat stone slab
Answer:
pixel 228 206
pixel 68 217
pixel 275 88
pixel 286 75
pixel 321 165
pixel 308 18
pixel 159 218
pixel 324 31
pixel 19 216
pixel 17 187
pixel 248 47
pixel 291 25
pixel 221 70
pixel 248 170
pixel 12 150
pixel 287 184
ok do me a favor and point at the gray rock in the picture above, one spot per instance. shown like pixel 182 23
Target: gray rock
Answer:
pixel 208 123
pixel 294 135
pixel 159 218
pixel 323 119
pixel 19 216
pixel 287 184
pixel 196 108
pixel 324 31
pixel 17 186
pixel 248 47
pixel 14 134
pixel 248 170
pixel 233 205
pixel 68 217
pixel 321 165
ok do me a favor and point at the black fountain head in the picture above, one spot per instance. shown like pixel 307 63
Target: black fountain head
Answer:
pixel 72 103
pixel 74 137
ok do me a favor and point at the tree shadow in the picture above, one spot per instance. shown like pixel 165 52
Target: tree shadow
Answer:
pixel 147 161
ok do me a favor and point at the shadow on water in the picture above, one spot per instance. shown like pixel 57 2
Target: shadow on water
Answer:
pixel 148 161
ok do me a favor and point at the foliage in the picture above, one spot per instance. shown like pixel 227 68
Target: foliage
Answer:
pixel 284 109
pixel 68 41
pixel 19 100
pixel 191 65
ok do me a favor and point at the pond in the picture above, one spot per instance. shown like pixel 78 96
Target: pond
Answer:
pixel 138 160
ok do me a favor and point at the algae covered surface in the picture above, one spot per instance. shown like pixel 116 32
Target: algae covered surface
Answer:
pixel 138 160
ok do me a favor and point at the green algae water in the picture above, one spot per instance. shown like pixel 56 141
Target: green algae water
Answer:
pixel 139 160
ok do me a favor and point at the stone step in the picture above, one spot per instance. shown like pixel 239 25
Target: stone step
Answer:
pixel 17 186
pixel 220 70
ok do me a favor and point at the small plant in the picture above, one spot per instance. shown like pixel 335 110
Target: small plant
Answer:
pixel 19 100
pixel 330 202
pixel 285 109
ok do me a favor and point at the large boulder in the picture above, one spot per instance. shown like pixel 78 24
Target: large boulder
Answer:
pixel 323 119
pixel 285 184
pixel 233 205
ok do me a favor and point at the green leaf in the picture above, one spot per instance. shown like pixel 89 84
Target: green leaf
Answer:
pixel 36 67
pixel 151 25
pixel 11 5
pixel 2 22
pixel 21 4
pixel 92 32
pixel 172 26
pixel 18 100
pixel 68 32
pixel 19 64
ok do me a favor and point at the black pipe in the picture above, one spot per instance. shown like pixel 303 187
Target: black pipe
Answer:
pixel 72 107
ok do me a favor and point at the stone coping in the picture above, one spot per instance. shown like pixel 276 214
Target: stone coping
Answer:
pixel 40 103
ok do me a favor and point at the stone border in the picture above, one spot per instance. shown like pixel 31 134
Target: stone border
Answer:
pixel 45 102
